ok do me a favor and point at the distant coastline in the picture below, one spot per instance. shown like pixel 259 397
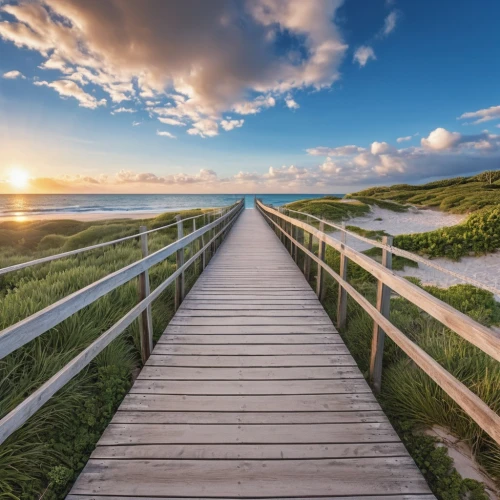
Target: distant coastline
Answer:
pixel 113 206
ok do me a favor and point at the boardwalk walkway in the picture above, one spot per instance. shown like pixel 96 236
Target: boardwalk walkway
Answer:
pixel 250 393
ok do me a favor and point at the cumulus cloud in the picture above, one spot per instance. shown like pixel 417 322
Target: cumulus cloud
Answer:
pixel 231 124
pixel 404 139
pixel 380 148
pixel 164 133
pixel 67 88
pixel 227 57
pixel 482 115
pixel 363 54
pixel 12 75
pixel 291 103
pixel 204 128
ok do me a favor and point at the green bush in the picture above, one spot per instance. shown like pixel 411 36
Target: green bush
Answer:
pixel 51 241
pixel 479 234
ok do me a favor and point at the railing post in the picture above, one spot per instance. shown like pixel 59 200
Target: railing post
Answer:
pixel 145 319
pixel 179 281
pixel 307 259
pixel 194 249
pixel 383 306
pixel 299 236
pixel 342 300
pixel 204 253
pixel 320 289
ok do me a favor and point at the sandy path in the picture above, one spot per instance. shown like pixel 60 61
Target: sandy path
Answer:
pixel 483 268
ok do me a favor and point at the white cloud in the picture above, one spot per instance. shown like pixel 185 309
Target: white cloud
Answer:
pixel 338 151
pixel 123 110
pixel 380 148
pixel 172 121
pixel 363 54
pixel 12 75
pixel 404 139
pixel 67 88
pixel 164 133
pixel 441 139
pixel 390 23
pixel 136 123
pixel 255 106
pixel 482 115
pixel 231 124
pixel 204 128
pixel 227 57
pixel 291 103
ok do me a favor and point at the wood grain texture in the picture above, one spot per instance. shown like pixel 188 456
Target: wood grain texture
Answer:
pixel 250 393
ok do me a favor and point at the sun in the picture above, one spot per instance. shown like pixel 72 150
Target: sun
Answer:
pixel 18 178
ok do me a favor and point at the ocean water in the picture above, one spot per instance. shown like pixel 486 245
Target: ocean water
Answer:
pixel 42 204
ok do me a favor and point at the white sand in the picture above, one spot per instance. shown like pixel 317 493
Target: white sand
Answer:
pixel 483 268
pixel 83 216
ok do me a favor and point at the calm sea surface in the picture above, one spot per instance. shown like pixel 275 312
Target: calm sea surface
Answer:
pixel 38 204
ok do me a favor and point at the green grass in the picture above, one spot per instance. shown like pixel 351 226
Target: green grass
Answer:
pixel 409 397
pixel 46 454
pixel 387 205
pixel 459 195
pixel 478 235
pixel 329 207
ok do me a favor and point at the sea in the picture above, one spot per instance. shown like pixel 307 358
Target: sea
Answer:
pixel 46 204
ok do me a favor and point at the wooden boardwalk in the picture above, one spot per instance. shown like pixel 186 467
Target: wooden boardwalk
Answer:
pixel 250 393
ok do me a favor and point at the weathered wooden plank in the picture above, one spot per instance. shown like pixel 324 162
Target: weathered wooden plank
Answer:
pixel 235 313
pixel 243 387
pixel 303 373
pixel 251 361
pixel 250 349
pixel 357 497
pixel 341 402
pixel 249 451
pixel 199 305
pixel 249 329
pixel 330 338
pixel 281 418
pixel 212 478
pixel 118 434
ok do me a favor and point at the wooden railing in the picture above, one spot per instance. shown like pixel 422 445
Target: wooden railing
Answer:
pixel 292 231
pixel 210 236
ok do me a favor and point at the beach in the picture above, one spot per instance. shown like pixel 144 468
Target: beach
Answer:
pixel 484 268
pixel 80 216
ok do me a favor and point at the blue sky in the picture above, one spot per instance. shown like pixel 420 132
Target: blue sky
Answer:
pixel 293 81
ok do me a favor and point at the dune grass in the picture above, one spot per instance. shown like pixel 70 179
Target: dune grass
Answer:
pixel 329 207
pixel 45 455
pixel 410 398
pixel 458 195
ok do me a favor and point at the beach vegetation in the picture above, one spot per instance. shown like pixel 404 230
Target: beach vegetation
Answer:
pixel 45 455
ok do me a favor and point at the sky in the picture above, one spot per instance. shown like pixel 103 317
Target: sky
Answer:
pixel 245 96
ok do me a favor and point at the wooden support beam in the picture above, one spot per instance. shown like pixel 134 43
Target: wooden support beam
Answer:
pixel 179 282
pixel 145 319
pixel 320 288
pixel 342 299
pixel 384 307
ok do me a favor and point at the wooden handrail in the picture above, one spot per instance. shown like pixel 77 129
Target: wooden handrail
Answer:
pixel 31 327
pixel 18 416
pixel 477 409
pixel 50 258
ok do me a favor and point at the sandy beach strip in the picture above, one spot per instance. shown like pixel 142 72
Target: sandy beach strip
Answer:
pixel 483 268
pixel 82 216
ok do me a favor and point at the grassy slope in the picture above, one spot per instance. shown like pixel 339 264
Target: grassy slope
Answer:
pixel 410 398
pixel 459 195
pixel 52 447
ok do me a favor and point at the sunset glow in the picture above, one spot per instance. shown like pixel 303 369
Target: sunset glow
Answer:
pixel 18 178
